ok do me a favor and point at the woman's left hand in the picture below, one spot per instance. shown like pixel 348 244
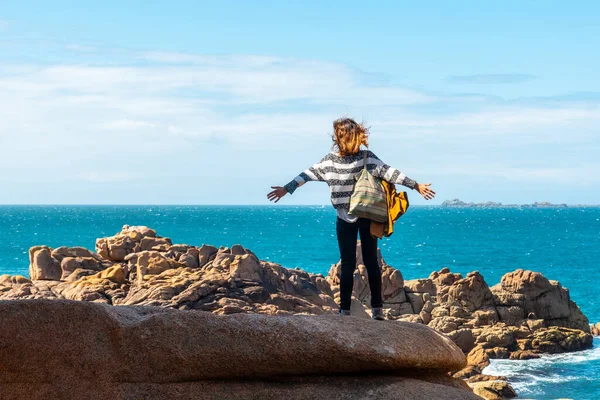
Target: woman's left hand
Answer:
pixel 423 189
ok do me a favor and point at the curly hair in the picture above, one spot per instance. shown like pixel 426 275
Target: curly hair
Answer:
pixel 348 136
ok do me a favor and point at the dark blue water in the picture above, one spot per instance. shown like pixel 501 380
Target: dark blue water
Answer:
pixel 563 244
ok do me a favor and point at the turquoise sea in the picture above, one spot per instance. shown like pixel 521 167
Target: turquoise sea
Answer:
pixel 561 243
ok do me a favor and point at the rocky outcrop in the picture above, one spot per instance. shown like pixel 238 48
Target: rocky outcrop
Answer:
pixel 471 293
pixel 141 268
pixel 131 239
pixel 529 294
pixel 523 316
pixel 493 390
pixel 231 281
pixel 558 340
pixel 133 349
pixel 59 264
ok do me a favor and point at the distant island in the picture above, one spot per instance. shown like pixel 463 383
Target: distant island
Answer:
pixel 492 204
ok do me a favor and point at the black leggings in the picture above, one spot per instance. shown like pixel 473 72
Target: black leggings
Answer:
pixel 347 234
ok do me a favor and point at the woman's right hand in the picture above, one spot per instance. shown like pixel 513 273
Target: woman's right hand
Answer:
pixel 277 194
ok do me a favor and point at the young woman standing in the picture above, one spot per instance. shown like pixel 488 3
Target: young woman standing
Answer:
pixel 338 169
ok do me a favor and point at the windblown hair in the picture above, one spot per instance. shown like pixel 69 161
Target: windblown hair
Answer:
pixel 348 136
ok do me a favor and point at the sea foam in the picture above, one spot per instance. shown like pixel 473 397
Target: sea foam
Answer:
pixel 552 376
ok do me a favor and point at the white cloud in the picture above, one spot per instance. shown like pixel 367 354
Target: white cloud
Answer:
pixel 248 79
pixel 80 48
pixel 252 61
pixel 494 79
pixel 104 177
pixel 160 112
pixel 528 123
pixel 522 117
pixel 582 174
pixel 126 125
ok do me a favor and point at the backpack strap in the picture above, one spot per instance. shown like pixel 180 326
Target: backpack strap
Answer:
pixel 365 165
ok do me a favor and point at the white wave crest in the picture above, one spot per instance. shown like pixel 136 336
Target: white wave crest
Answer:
pixel 533 377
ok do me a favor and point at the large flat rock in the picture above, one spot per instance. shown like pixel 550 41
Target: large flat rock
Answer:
pixel 50 340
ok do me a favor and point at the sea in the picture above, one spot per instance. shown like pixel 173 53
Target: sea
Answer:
pixel 561 243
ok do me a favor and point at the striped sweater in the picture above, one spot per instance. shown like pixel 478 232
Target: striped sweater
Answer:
pixel 340 172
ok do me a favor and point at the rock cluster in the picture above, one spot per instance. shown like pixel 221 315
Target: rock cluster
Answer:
pixel 138 267
pixel 496 389
pixel 521 317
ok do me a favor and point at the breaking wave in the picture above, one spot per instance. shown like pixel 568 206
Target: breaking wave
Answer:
pixel 565 376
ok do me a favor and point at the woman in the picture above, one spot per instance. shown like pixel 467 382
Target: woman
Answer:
pixel 339 169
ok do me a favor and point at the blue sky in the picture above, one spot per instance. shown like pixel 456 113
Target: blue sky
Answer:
pixel 191 102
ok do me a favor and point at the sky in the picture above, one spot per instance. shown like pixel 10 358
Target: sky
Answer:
pixel 213 102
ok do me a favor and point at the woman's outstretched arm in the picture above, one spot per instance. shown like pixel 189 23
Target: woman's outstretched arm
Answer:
pixel 392 175
pixel 311 174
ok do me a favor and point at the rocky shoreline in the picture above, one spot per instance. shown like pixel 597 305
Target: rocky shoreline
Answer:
pixel 522 317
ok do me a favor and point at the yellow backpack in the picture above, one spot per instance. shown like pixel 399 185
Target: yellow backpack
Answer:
pixel 397 205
